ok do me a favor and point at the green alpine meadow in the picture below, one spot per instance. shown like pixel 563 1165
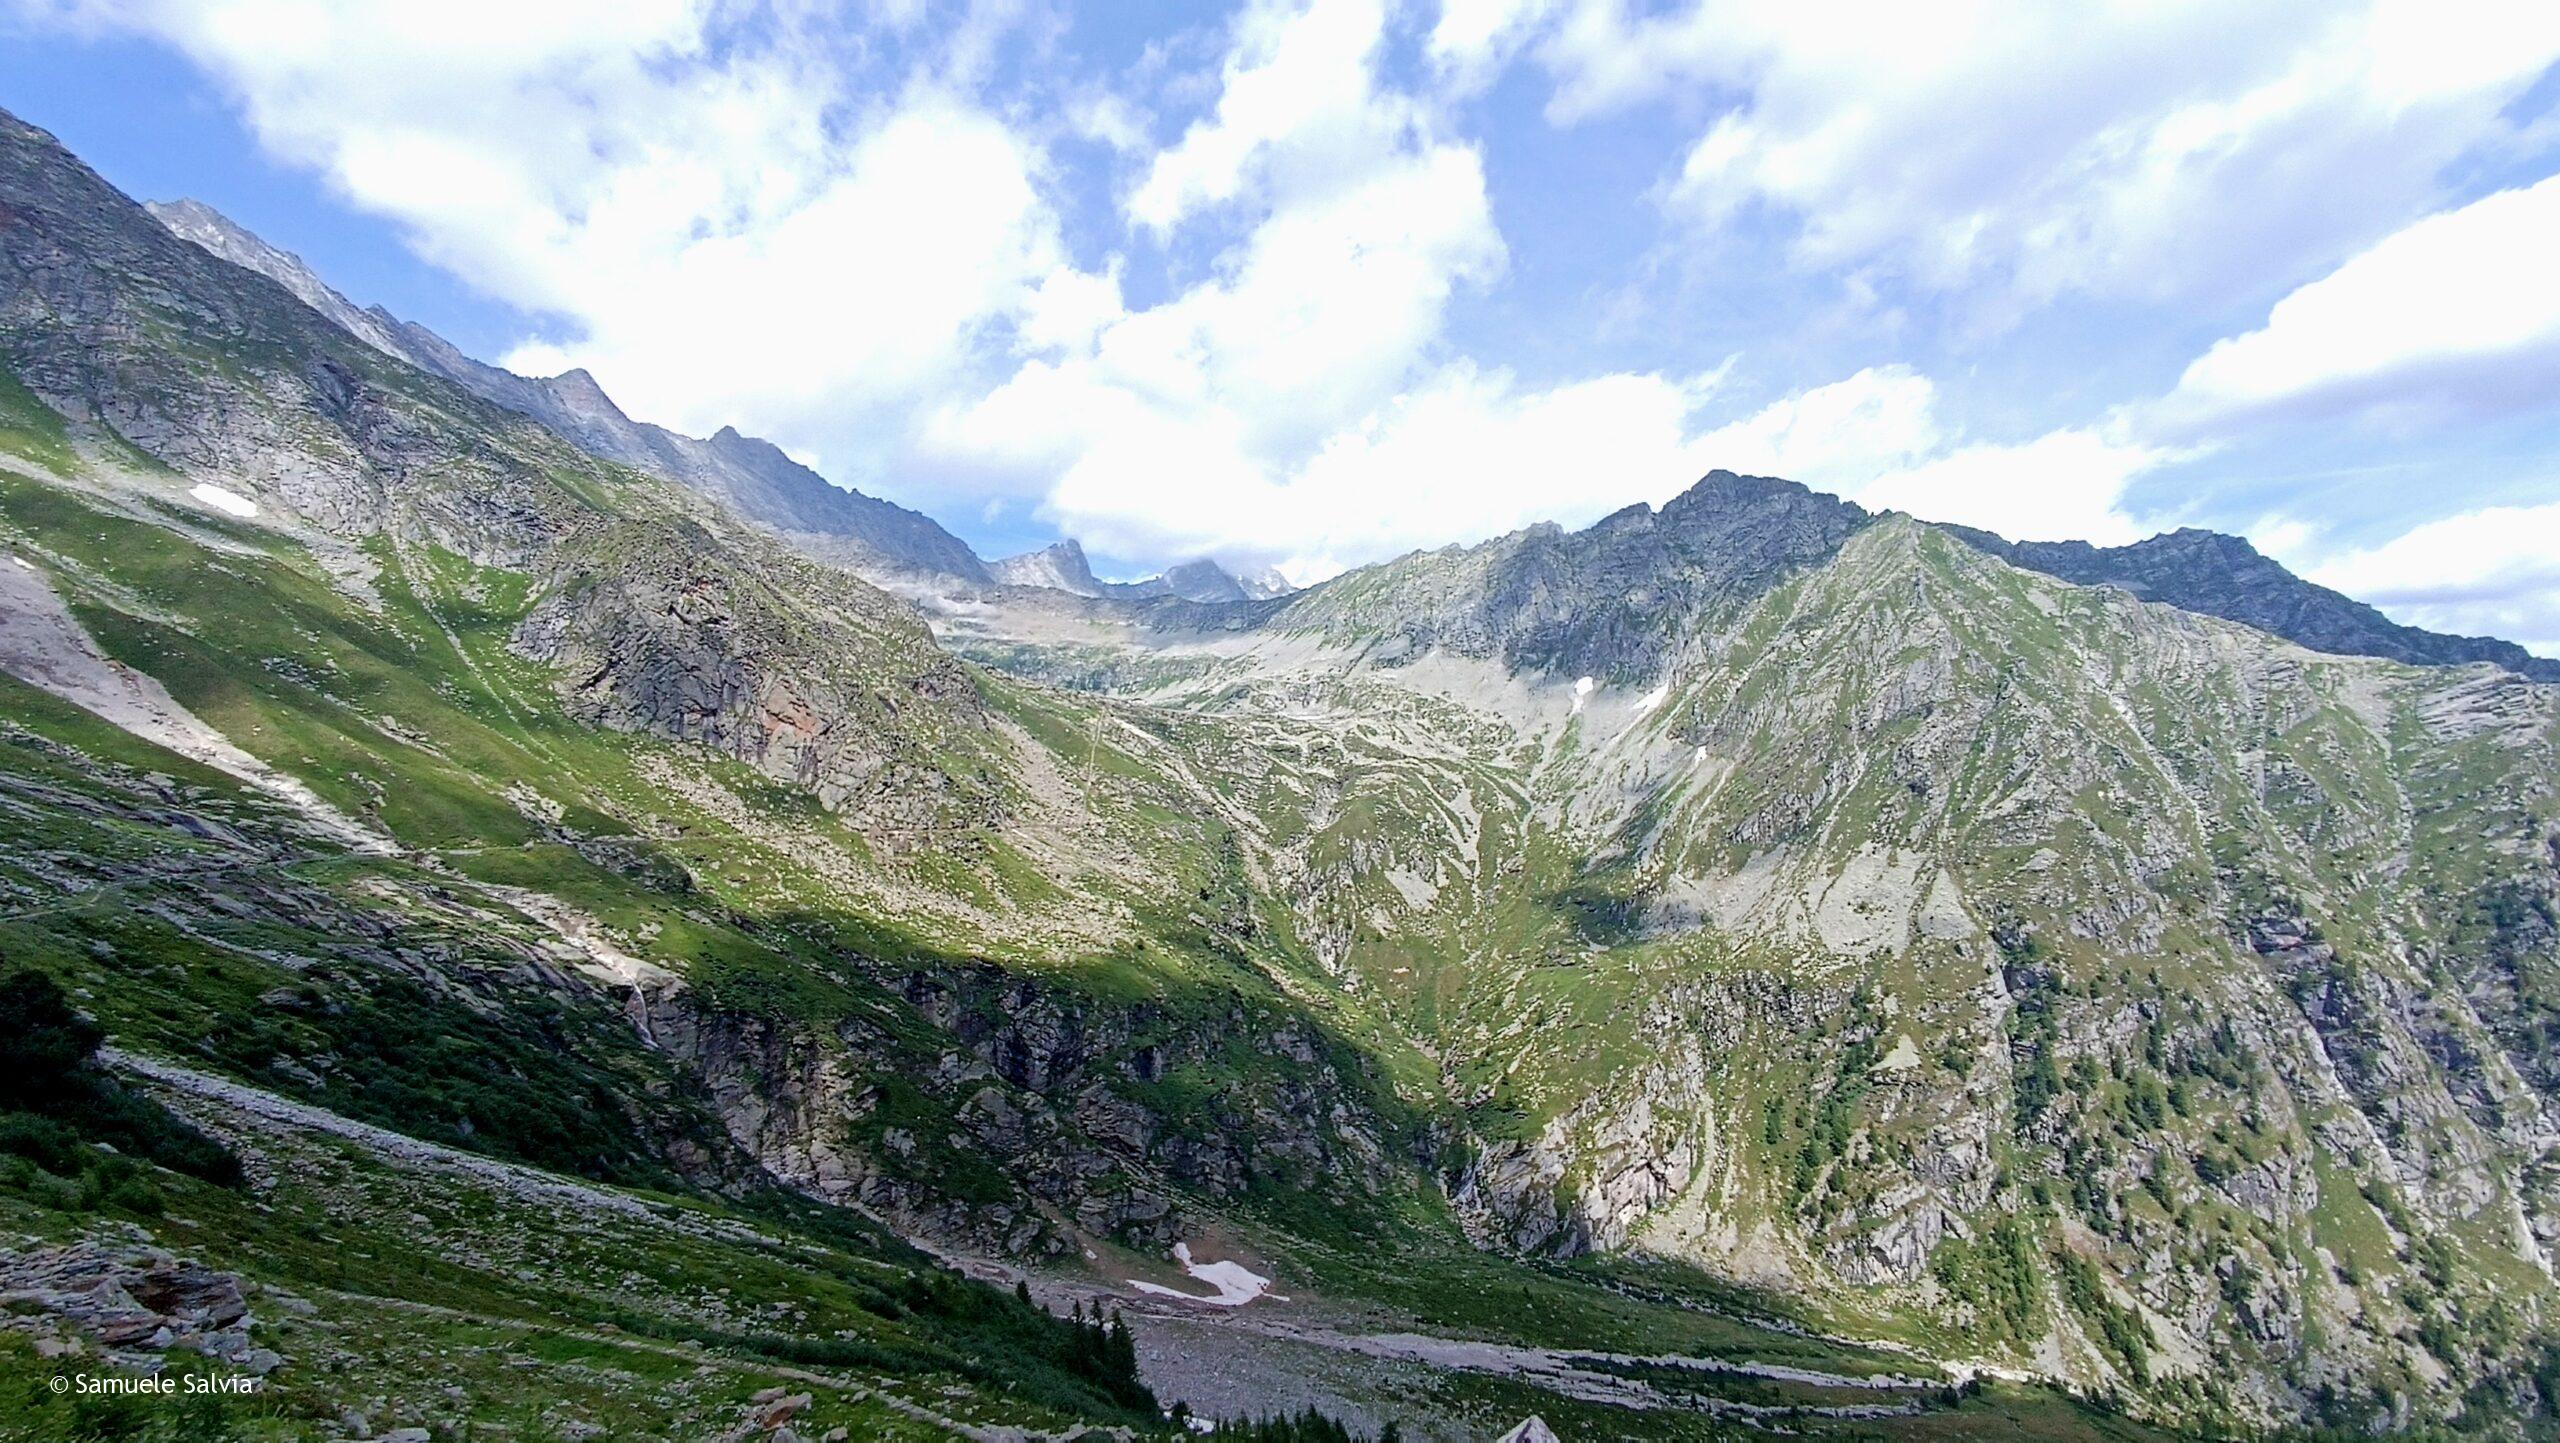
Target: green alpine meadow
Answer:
pixel 518 924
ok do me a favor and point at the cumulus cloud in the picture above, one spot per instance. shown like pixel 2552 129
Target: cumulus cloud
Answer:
pixel 2066 485
pixel 2144 150
pixel 1465 454
pixel 720 225
pixel 1211 301
pixel 1470 39
pixel 1299 97
pixel 1293 408
pixel 2493 571
pixel 1170 427
pixel 2455 316
pixel 1469 454
pixel 1839 436
pixel 2453 319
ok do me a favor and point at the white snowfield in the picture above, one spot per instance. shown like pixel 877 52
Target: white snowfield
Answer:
pixel 1237 1284
pixel 224 499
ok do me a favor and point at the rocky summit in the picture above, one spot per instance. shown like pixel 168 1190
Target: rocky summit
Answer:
pixel 508 929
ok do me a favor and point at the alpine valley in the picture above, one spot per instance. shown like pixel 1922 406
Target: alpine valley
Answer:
pixel 520 924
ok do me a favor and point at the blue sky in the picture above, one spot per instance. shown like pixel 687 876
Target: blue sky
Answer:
pixel 1314 283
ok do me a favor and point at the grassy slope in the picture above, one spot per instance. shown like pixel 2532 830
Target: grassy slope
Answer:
pixel 418 718
pixel 2233 774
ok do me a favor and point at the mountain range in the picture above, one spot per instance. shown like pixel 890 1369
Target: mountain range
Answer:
pixel 752 477
pixel 667 951
pixel 2203 571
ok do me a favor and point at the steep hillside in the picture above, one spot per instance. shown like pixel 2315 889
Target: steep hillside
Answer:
pixel 1819 900
pixel 1747 967
pixel 753 478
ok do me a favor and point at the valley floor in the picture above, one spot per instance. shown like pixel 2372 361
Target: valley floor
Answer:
pixel 394 1283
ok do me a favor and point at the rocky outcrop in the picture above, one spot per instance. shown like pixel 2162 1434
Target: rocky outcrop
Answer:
pixel 132 1301
pixel 1060 566
pixel 807 675
pixel 1048 1114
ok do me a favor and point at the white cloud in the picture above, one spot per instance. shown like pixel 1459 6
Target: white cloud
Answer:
pixel 1464 456
pixel 2457 315
pixel 1299 94
pixel 726 231
pixel 2494 571
pixel 2288 539
pixel 1838 437
pixel 2138 149
pixel 1168 428
pixel 1108 119
pixel 1467 454
pixel 1473 38
pixel 1291 407
pixel 1069 308
pixel 2066 485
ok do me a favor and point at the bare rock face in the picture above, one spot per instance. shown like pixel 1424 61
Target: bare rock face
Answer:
pixel 807 675
pixel 1052 1110
pixel 1063 567
pixel 132 1300
pixel 1614 601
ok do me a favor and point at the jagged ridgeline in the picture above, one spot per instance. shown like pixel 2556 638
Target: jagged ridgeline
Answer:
pixel 1748 966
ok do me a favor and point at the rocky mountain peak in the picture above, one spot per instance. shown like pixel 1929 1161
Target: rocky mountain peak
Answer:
pixel 2223 575
pixel 193 220
pixel 1202 580
pixel 1266 584
pixel 1059 566
pixel 1063 566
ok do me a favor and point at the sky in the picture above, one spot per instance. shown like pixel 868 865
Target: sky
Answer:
pixel 1312 284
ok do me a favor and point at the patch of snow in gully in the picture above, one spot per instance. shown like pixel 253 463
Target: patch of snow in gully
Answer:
pixel 223 499
pixel 1237 1284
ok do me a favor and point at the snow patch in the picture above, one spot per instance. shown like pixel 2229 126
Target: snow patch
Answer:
pixel 1653 698
pixel 222 498
pixel 1237 1284
pixel 1582 692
